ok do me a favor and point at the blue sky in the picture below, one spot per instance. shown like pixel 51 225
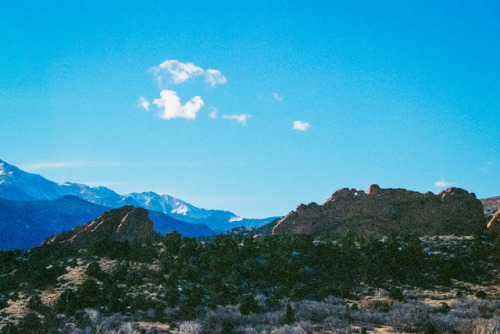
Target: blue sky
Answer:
pixel 258 105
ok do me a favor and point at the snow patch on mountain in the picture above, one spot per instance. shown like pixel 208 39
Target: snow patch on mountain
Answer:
pixel 181 210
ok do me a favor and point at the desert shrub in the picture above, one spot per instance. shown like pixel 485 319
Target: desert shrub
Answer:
pixel 468 308
pixel 274 317
pixel 289 329
pixel 335 322
pixel 450 322
pixel 484 326
pixel 190 327
pixel 316 312
pixel 128 328
pixel 379 304
pixel 409 316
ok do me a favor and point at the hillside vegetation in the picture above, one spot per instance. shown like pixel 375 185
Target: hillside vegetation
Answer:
pixel 270 284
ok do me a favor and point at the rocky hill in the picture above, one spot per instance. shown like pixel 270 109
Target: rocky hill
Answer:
pixel 491 205
pixel 25 224
pixel 382 211
pixel 124 224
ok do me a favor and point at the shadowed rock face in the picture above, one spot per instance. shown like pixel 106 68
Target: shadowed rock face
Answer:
pixel 124 224
pixel 381 211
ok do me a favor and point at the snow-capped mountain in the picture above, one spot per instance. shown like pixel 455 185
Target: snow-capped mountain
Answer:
pixel 16 184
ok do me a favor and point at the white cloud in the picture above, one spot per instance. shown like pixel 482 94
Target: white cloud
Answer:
pixel 180 72
pixel 215 77
pixel 444 184
pixel 491 163
pixel 277 97
pixel 172 107
pixel 240 118
pixel 105 183
pixel 67 164
pixel 301 126
pixel 144 103
pixel 213 113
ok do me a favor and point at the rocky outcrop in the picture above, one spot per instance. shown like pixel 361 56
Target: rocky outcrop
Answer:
pixel 494 223
pixel 124 224
pixel 382 211
pixel 491 206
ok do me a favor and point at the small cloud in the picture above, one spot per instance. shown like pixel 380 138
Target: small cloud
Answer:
pixel 105 183
pixel 215 77
pixel 172 107
pixel 277 97
pixel 444 184
pixel 301 126
pixel 240 118
pixel 67 164
pixel 489 165
pixel 144 103
pixel 181 72
pixel 213 113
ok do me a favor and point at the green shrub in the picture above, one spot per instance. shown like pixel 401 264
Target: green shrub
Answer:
pixel 445 308
pixel 94 270
pixel 396 294
pixel 428 328
pixel 35 304
pixel 66 303
pixel 30 324
pixel 248 305
pixel 9 328
pixel 289 314
pixel 481 294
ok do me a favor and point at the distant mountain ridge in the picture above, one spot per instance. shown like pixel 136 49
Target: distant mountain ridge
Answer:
pixel 16 184
pixel 491 206
pixel 25 224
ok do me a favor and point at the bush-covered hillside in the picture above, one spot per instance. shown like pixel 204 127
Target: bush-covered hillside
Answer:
pixel 238 284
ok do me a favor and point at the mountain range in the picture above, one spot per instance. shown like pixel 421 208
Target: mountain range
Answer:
pixel 32 208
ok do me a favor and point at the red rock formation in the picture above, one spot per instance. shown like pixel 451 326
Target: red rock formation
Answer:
pixel 381 211
pixel 495 221
pixel 124 224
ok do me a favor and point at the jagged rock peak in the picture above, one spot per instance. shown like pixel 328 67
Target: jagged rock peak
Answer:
pixel 123 224
pixel 380 211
